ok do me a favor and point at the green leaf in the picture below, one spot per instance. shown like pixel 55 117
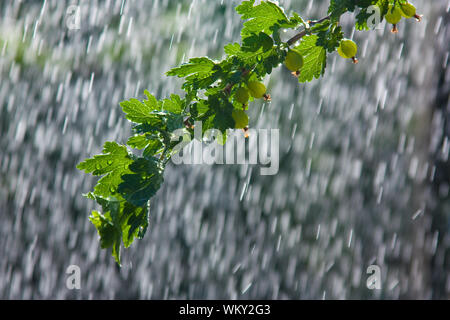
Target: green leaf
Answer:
pixel 109 235
pixel 138 141
pixel 269 60
pixel 199 72
pixel 314 58
pixel 255 42
pixel 112 164
pixel 200 107
pixel 330 38
pixel 154 147
pixel 147 177
pixel 134 223
pixel 174 121
pixel 139 112
pixel 262 61
pixel 202 65
pixel 363 16
pixel 323 26
pixel 174 104
pixel 234 49
pixel 262 18
pixel 339 7
pixel 151 102
pixel 361 20
pixel 154 125
pixel 120 222
pixel 222 119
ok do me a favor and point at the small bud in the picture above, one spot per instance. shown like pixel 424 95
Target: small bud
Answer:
pixel 418 17
pixel 246 134
pixel 296 73
pixel 355 60
pixel 188 124
pixel 394 28
pixel 266 97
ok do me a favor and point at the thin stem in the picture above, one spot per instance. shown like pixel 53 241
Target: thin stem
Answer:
pixel 303 33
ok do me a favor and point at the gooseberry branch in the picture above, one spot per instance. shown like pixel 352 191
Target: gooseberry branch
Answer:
pixel 129 179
